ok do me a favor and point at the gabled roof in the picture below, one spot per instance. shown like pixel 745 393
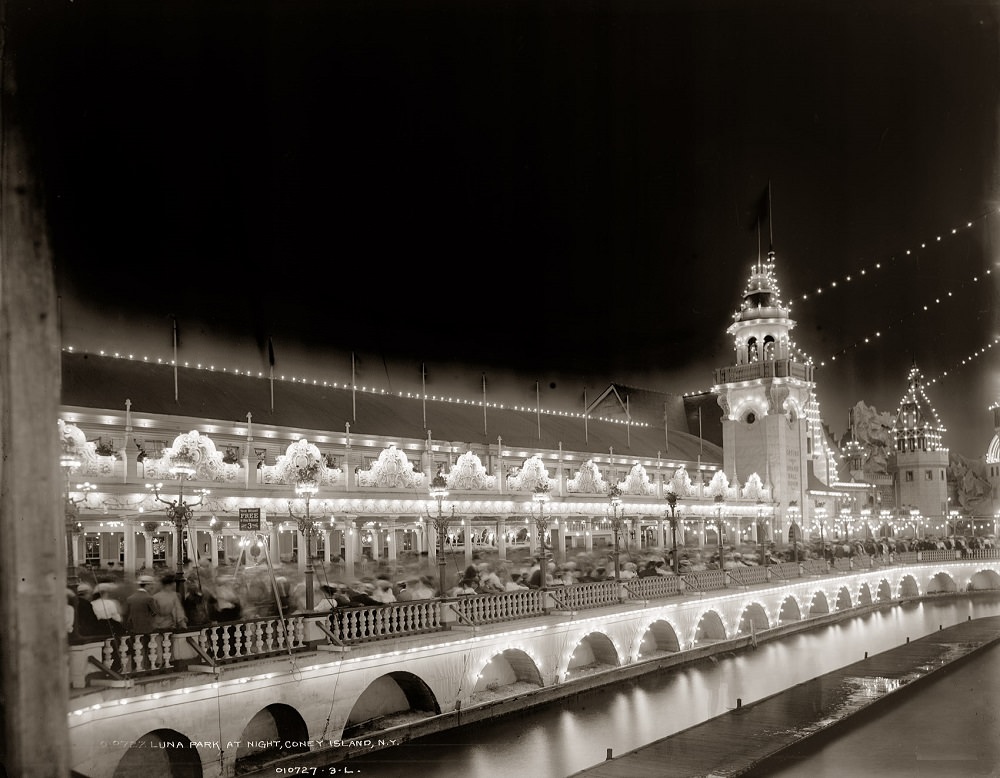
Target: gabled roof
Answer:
pixel 105 383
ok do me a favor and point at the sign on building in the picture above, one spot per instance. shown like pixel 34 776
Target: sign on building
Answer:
pixel 250 519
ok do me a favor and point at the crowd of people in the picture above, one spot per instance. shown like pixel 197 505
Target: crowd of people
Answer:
pixel 110 607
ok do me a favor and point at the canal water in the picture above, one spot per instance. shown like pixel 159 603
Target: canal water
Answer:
pixel 567 736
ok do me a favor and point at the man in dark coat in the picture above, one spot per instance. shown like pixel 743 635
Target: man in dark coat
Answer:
pixel 138 613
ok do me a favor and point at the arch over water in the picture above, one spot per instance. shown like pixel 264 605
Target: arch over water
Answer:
pixel 984 579
pixel 753 619
pixel 940 582
pixel 593 652
pixel 660 636
pixel 884 591
pixel 864 596
pixel 506 668
pixel 385 698
pixel 789 610
pixel 844 599
pixel 277 724
pixel 162 753
pixel 818 604
pixel 710 628
pixel 908 586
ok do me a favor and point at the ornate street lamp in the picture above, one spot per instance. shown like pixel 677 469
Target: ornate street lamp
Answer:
pixel 439 490
pixel 69 460
pixel 541 496
pixel 183 458
pixel 301 466
pixel 617 524
pixel 718 532
pixel 672 502
pixel 72 513
pixel 793 516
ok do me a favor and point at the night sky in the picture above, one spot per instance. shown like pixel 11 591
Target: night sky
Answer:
pixel 560 192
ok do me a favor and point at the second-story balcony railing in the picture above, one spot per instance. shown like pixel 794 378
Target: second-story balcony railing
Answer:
pixel 778 368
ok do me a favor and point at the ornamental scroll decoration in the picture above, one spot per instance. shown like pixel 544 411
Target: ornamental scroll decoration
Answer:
pixel 588 480
pixel 680 483
pixel 718 487
pixel 194 450
pixel 469 472
pixel 531 476
pixel 637 482
pixel 754 488
pixel 391 469
pixel 74 445
pixel 301 464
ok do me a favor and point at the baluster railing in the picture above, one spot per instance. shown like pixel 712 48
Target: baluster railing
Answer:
pixel 358 624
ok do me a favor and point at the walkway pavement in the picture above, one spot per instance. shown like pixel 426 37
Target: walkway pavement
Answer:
pixel 733 743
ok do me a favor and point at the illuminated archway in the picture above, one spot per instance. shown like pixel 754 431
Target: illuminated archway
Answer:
pixel 389 700
pixel 864 595
pixel 908 587
pixel 595 652
pixel 506 673
pixel 753 619
pixel 843 599
pixel 940 583
pixel 789 611
pixel 819 605
pixel 984 579
pixel 162 753
pixel 659 638
pixel 710 628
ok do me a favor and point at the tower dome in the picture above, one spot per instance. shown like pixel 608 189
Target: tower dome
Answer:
pixel 917 426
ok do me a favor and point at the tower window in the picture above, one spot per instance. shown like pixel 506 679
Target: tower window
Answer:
pixel 751 417
pixel 929 475
pixel 909 475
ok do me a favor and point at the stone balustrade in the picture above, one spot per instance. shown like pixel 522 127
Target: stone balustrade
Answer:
pixel 253 638
pixel 593 594
pixel 378 622
pixel 492 608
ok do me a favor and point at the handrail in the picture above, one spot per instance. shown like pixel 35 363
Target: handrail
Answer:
pixel 198 650
pixel 329 633
pixel 461 616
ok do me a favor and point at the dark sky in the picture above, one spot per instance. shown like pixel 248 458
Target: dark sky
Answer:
pixel 551 191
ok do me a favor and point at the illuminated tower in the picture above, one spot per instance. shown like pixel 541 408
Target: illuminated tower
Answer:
pixel 767 396
pixel 920 464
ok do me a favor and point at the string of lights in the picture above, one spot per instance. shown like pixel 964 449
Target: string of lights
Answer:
pixel 368 389
pixel 911 253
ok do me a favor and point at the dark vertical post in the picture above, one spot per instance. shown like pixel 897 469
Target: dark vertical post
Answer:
pixel 33 664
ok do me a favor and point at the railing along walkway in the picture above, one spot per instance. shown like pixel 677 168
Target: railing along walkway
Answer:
pixel 144 654
pixel 377 622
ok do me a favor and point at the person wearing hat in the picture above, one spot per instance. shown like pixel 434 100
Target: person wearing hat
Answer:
pixel 138 612
pixel 109 615
pixel 86 625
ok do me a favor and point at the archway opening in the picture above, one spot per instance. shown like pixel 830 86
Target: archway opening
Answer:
pixel 710 629
pixel 983 580
pixel 593 654
pixel 884 592
pixel 789 611
pixel 274 732
pixel 753 619
pixel 162 753
pixel 660 638
pixel 508 673
pixel 908 587
pixel 389 701
pixel 941 583
pixel 819 605
pixel 844 599
pixel 864 595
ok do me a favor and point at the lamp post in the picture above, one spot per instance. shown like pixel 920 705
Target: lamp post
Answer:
pixel 180 513
pixel 617 523
pixel 884 516
pixel 866 514
pixel 307 526
pixel 71 515
pixel 541 496
pixel 439 490
pixel 718 531
pixel 672 502
pixel 793 516
pixel 821 521
pixel 761 548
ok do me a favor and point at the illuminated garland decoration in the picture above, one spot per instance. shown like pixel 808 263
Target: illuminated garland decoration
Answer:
pixel 368 389
pixel 877 265
pixel 903 320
